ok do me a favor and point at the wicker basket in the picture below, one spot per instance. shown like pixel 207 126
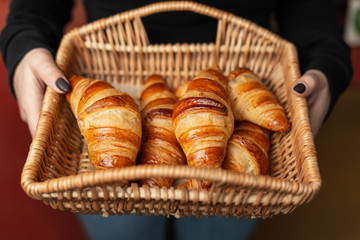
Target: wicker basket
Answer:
pixel 58 171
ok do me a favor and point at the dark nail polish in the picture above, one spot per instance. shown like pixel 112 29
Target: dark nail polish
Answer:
pixel 300 88
pixel 63 85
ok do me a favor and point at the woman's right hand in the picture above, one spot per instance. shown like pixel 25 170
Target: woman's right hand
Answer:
pixel 36 70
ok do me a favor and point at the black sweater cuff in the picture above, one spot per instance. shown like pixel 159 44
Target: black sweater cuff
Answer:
pixel 22 42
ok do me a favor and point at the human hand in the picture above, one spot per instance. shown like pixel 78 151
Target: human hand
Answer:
pixel 36 70
pixel 313 86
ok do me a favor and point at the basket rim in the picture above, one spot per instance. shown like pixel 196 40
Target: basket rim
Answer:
pixel 35 188
pixel 132 173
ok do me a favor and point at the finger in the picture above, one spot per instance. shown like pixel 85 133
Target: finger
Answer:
pixel 54 78
pixel 50 74
pixel 30 113
pixel 309 83
pixel 30 106
pixel 33 116
pixel 316 117
pixel 304 86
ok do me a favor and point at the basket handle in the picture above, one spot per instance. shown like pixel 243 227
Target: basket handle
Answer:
pixel 137 34
pixel 172 6
pixel 169 6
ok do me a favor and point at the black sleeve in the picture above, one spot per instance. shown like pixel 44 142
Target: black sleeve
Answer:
pixel 32 24
pixel 311 25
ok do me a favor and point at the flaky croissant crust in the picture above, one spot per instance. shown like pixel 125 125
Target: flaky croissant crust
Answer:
pixel 203 120
pixel 108 119
pixel 252 101
pixel 247 149
pixel 159 144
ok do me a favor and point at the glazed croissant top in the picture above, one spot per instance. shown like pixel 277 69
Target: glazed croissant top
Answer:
pixel 159 144
pixel 203 120
pixel 252 101
pixel 108 119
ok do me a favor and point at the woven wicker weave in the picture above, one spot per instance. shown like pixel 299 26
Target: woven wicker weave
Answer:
pixel 58 171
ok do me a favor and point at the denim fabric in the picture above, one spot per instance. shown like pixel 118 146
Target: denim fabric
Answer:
pixel 156 227
pixel 213 228
pixel 128 227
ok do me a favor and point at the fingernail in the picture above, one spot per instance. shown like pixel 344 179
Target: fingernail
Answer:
pixel 300 88
pixel 63 85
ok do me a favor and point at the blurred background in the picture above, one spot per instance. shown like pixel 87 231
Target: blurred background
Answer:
pixel 333 214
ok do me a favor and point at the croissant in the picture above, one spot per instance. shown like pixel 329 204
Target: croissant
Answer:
pixel 252 101
pixel 181 90
pixel 247 149
pixel 159 144
pixel 108 119
pixel 203 122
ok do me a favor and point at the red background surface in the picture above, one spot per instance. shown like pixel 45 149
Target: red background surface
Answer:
pixel 21 216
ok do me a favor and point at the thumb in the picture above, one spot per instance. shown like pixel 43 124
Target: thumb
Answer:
pixel 305 85
pixel 47 70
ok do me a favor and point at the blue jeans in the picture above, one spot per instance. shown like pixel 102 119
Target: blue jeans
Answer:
pixel 156 227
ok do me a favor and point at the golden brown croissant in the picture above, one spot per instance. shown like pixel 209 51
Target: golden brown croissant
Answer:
pixel 159 144
pixel 252 101
pixel 181 90
pixel 203 121
pixel 247 149
pixel 108 119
